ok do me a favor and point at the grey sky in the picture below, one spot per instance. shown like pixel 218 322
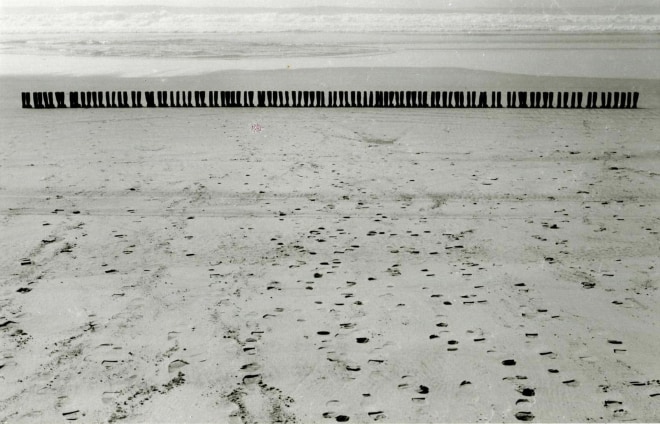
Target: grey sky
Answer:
pixel 607 6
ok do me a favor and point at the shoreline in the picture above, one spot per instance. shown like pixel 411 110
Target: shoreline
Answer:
pixel 171 67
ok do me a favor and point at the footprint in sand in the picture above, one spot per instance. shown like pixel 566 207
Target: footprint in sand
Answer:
pixel 251 378
pixel 330 414
pixel 524 416
pixel 422 390
pixel 527 392
pixel 109 397
pixel 377 415
pixel 175 365
pixel 71 415
pixel 251 367
pixel 618 412
pixel 273 285
pixel 403 386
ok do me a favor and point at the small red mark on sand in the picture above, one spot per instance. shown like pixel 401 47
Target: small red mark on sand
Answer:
pixel 256 128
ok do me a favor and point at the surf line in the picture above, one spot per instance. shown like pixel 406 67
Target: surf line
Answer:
pixel 378 99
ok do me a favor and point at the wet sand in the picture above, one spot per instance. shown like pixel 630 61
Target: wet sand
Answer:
pixel 418 265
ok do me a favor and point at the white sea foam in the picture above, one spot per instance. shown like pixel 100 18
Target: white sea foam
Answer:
pixel 173 21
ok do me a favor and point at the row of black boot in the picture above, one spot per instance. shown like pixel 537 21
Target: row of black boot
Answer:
pixel 572 100
pixel 399 99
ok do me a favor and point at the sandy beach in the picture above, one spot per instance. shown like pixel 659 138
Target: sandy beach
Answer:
pixel 362 265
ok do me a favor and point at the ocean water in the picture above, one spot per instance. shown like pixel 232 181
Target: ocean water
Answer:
pixel 141 42
pixel 219 21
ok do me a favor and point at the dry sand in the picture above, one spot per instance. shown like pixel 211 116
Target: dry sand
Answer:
pixel 374 265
